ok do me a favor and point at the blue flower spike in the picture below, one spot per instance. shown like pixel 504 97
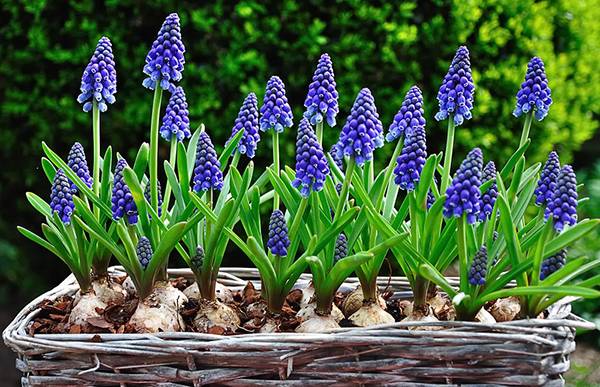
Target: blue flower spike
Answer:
pixel 411 160
pixel 322 99
pixel 247 120
pixel 278 241
pixel 562 208
pixel 409 116
pixel 144 252
pixel 488 198
pixel 77 162
pixel 455 96
pixel 61 197
pixel 311 164
pixel 478 270
pixel 207 168
pixel 547 183
pixel 176 122
pixel 534 94
pixel 99 79
pixel 463 195
pixel 165 60
pixel 275 113
pixel 363 131
pixel 122 201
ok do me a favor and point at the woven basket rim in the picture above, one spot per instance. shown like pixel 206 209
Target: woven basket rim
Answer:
pixel 541 331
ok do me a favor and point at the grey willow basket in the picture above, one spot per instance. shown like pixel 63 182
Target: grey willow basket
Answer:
pixel 518 353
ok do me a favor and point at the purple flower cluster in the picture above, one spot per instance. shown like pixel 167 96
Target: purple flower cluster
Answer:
pixel 176 120
pixel 562 208
pixel 165 60
pixel 478 269
pixel 462 196
pixel 278 241
pixel 547 183
pixel 534 94
pixel 148 196
pixel 99 79
pixel 207 168
pixel 455 96
pixel 337 159
pixel 430 199
pixel 322 98
pixel 488 198
pixel 363 132
pixel 551 264
pixel 409 116
pixel 411 160
pixel 61 198
pixel 144 252
pixel 77 162
pixel 311 164
pixel 275 113
pixel 247 120
pixel 122 199
pixel 341 248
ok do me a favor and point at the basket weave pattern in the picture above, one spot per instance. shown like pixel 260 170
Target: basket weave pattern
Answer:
pixel 523 352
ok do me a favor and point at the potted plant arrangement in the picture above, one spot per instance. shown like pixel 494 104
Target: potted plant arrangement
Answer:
pixel 316 306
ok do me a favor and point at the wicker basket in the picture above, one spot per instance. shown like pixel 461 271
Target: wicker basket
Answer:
pixel 525 352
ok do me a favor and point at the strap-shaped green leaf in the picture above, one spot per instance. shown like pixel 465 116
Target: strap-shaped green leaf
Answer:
pixel 570 235
pixel 141 160
pixel 49 169
pixel 39 204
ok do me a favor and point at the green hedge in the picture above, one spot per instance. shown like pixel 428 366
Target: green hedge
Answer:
pixel 233 49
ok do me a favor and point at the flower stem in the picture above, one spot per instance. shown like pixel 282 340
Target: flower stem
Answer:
pixel 154 148
pixel 172 162
pixel 96 156
pixel 344 192
pixel 320 132
pixel 276 165
pixel 463 259
pixel 526 127
pixel 448 155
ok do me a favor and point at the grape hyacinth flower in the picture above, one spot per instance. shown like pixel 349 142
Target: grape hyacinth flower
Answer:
pixel 144 252
pixel 462 196
pixel 247 120
pixel 148 196
pixel 122 199
pixel 363 132
pixel 275 113
pixel 488 198
pixel 176 120
pixel 77 162
pixel 311 164
pixel 547 183
pixel 430 199
pixel 99 79
pixel 207 168
pixel 198 259
pixel 455 96
pixel 562 208
pixel 411 160
pixel 409 116
pixel 165 60
pixel 61 198
pixel 478 269
pixel 534 94
pixel 341 248
pixel 322 98
pixel 278 241
pixel 551 264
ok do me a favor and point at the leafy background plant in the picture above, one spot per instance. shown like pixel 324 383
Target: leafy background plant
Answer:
pixel 233 48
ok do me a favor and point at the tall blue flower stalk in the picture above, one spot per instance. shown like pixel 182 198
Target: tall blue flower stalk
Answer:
pixel 562 207
pixel 488 198
pixel 455 99
pixel 144 252
pixel 176 123
pixel 321 102
pixel 463 195
pixel 311 164
pixel 164 67
pixel 207 168
pixel 98 89
pixel 360 136
pixel 278 241
pixel 61 198
pixel 547 182
pixel 411 160
pixel 247 120
pixel 478 270
pixel 275 115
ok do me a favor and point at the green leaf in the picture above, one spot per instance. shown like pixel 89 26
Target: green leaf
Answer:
pixel 39 204
pixel 229 148
pixel 570 235
pixel 430 272
pixel 39 240
pixel 512 161
pixel 167 243
pixel 49 169
pixel 141 160
pixel 575 291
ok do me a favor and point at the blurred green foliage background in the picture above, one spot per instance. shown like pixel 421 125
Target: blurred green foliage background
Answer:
pixel 233 48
